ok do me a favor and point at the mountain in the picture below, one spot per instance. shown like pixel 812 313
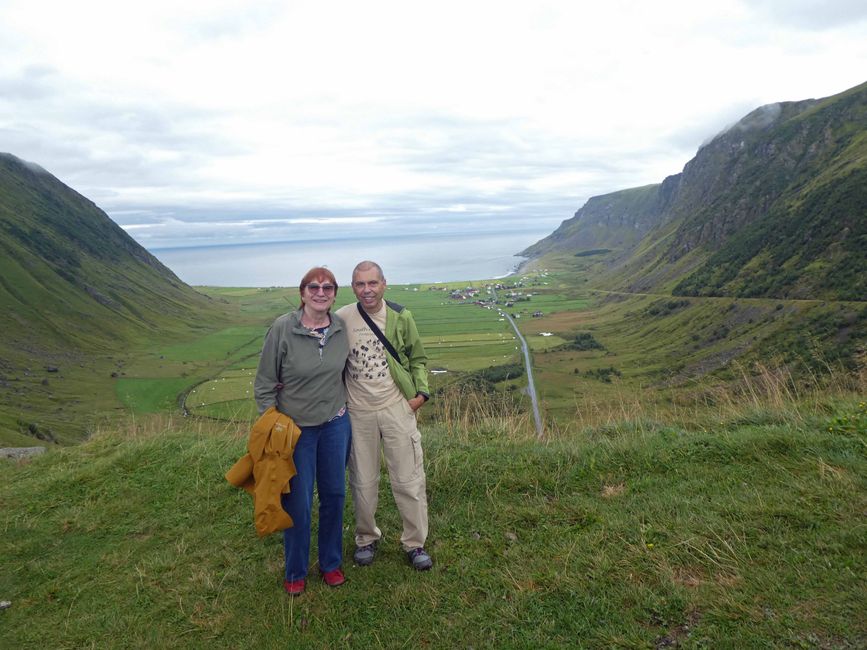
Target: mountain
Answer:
pixel 76 295
pixel 775 206
pixel 616 221
pixel 69 274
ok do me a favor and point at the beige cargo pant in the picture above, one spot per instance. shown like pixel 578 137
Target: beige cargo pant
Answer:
pixel 395 426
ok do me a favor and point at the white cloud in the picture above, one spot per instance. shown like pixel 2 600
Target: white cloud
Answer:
pixel 223 112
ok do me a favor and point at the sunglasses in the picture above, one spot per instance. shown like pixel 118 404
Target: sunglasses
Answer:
pixel 327 289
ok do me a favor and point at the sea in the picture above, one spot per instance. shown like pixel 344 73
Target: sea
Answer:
pixel 405 259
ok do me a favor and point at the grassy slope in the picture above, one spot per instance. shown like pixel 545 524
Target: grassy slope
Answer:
pixel 76 294
pixel 811 241
pixel 662 347
pixel 92 382
pixel 746 536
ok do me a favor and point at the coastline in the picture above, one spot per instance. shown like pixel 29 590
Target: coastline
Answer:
pixel 406 259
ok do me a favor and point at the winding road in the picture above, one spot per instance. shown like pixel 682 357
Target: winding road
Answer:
pixel 531 385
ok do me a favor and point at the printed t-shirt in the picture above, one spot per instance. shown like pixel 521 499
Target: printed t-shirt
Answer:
pixel 369 384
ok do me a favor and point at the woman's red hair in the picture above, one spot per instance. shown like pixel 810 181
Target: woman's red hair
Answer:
pixel 319 273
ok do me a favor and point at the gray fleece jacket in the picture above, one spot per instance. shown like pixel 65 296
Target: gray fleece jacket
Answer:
pixel 310 370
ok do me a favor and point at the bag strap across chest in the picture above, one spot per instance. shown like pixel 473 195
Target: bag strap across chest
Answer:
pixel 377 332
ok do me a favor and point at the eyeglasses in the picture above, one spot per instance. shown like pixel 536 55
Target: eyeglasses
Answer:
pixel 327 289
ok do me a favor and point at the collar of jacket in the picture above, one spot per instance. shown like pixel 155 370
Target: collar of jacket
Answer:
pixel 298 328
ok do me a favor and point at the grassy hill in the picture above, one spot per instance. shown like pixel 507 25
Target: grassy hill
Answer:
pixel 741 536
pixel 796 202
pixel 76 293
pixel 668 357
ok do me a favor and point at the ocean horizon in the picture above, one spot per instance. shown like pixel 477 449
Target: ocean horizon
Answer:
pixel 406 259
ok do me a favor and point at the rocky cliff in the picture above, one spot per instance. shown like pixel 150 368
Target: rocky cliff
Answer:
pixel 776 206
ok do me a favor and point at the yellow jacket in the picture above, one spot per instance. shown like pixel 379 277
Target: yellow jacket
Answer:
pixel 266 469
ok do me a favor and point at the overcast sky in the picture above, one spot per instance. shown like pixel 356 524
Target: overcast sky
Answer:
pixel 235 121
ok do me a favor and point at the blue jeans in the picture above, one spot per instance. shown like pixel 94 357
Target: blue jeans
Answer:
pixel 321 452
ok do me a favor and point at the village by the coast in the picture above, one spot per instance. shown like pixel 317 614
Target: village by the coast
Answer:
pixel 498 295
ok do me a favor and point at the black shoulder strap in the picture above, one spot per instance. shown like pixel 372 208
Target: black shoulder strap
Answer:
pixel 377 332
pixel 394 306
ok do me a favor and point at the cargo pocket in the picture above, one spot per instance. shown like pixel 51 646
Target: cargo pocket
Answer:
pixel 415 437
pixel 402 445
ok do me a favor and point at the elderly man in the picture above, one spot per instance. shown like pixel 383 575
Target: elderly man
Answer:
pixel 386 383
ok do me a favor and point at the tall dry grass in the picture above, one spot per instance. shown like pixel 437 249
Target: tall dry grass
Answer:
pixel 760 392
pixel 461 408
pixel 772 389
pixel 141 427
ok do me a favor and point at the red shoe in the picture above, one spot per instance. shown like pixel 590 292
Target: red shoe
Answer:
pixel 294 588
pixel 333 578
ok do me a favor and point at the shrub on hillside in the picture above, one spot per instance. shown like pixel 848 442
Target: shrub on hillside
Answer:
pixel 603 374
pixel 583 341
pixel 496 374
pixel 665 307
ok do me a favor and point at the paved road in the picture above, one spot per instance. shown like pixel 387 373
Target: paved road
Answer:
pixel 531 385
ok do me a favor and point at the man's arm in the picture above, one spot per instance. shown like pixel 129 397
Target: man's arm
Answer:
pixel 417 357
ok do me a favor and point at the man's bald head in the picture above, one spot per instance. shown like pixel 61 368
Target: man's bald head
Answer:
pixel 367 265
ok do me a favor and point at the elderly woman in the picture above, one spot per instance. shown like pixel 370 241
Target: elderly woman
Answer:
pixel 300 373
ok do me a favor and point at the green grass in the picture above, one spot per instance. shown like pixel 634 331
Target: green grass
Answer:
pixel 142 395
pixel 237 341
pixel 666 348
pixel 745 536
pixel 661 347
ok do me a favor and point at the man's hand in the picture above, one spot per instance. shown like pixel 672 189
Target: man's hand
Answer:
pixel 416 402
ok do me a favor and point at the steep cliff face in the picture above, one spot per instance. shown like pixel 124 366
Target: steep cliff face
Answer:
pixel 617 221
pixel 790 216
pixel 734 179
pixel 774 206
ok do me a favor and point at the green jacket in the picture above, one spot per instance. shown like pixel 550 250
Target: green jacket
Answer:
pixel 410 374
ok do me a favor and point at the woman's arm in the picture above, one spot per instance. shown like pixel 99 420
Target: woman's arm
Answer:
pixel 265 386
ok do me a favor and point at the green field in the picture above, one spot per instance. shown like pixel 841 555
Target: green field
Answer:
pixel 458 337
pixel 660 356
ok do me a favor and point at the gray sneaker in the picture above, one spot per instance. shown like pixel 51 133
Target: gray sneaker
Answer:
pixel 419 559
pixel 364 554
